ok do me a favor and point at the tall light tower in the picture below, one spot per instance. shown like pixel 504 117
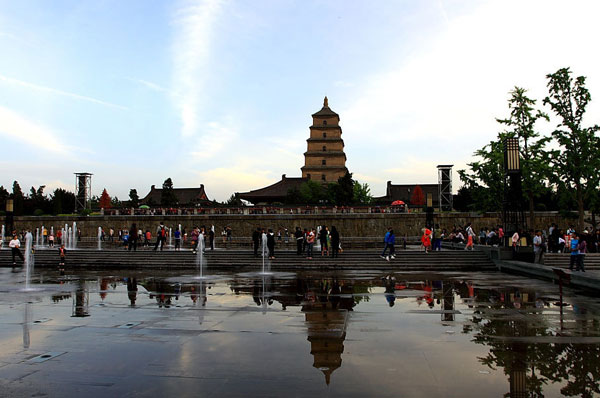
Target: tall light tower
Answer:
pixel 83 191
pixel 512 206
pixel 445 186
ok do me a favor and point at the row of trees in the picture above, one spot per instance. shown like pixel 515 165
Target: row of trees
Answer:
pixel 345 192
pixel 37 202
pixel 560 171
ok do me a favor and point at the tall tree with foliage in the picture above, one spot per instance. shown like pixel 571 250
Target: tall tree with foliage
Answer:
pixel 134 199
pixel 484 180
pixel 4 195
pixel 362 194
pixel 534 157
pixel 105 201
pixel 576 162
pixel 63 201
pixel 18 199
pixel 167 195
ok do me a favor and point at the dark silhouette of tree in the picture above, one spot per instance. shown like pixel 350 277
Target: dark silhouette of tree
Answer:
pixel 134 199
pixel 18 199
pixel 167 195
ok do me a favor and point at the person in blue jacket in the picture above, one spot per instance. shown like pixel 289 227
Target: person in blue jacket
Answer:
pixel 390 241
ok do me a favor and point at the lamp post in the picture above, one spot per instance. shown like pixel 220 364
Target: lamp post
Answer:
pixel 9 215
pixel 512 209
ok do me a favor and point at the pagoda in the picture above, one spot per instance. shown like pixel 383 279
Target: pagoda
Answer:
pixel 325 160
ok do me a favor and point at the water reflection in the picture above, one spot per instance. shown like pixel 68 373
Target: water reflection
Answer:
pixel 527 333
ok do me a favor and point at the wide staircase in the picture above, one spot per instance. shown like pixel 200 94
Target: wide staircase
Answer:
pixel 562 260
pixel 409 260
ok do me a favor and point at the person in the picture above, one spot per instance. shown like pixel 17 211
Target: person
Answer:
pixel 111 235
pixel 437 238
pixel 177 239
pixel 537 247
pixel 14 245
pixel 582 251
pixel 299 235
pixel 426 239
pixel 62 253
pixel 51 240
pixel 211 237
pixel 133 237
pixel 515 242
pixel 229 234
pixel 391 241
pixel 271 244
pixel 161 236
pixel 147 238
pixel 335 242
pixel 386 244
pixel 256 241
pixel 574 245
pixel 323 240
pixel 471 235
pixel 310 241
pixel 195 237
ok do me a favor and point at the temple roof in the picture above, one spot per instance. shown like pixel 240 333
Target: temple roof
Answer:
pixel 275 192
pixel 185 196
pixel 404 192
pixel 325 111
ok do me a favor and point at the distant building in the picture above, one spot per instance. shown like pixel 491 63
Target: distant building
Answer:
pixel 185 196
pixel 275 193
pixel 404 193
pixel 325 160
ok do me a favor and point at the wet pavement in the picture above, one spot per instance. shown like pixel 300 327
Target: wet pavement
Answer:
pixel 331 334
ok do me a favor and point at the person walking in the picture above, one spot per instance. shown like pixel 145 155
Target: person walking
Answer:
pixel 310 241
pixel 335 242
pixel 161 236
pixel 211 237
pixel 426 239
pixel 195 237
pixel 15 245
pixel 437 238
pixel 391 242
pixel 574 245
pixel 133 237
pixel 51 240
pixel 256 240
pixel 386 244
pixel 471 236
pixel 538 248
pixel 177 239
pixel 582 251
pixel 299 235
pixel 62 254
pixel 323 240
pixel 271 244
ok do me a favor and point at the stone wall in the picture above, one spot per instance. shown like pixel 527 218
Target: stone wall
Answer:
pixel 357 225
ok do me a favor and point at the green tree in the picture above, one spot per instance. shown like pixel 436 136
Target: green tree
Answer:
pixel 167 195
pixel 312 192
pixel 134 199
pixel 485 178
pixel 234 200
pixel 63 201
pixel 534 157
pixel 18 199
pixel 4 195
pixel 577 161
pixel 362 194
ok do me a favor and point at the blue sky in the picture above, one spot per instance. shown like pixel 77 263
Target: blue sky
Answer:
pixel 221 92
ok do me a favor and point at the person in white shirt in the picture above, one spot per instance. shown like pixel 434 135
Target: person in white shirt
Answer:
pixel 14 245
pixel 538 247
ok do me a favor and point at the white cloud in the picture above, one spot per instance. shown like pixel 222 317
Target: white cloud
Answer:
pixel 440 104
pixel 194 23
pixel 215 138
pixel 58 92
pixel 147 84
pixel 15 127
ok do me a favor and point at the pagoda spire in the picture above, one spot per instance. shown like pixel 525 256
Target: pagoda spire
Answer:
pixel 326 102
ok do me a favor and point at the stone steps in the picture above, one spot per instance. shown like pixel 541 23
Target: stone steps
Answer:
pixel 562 260
pixel 409 260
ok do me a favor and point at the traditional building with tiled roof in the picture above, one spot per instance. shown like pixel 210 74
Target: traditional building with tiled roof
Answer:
pixel 404 193
pixel 276 193
pixel 185 196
